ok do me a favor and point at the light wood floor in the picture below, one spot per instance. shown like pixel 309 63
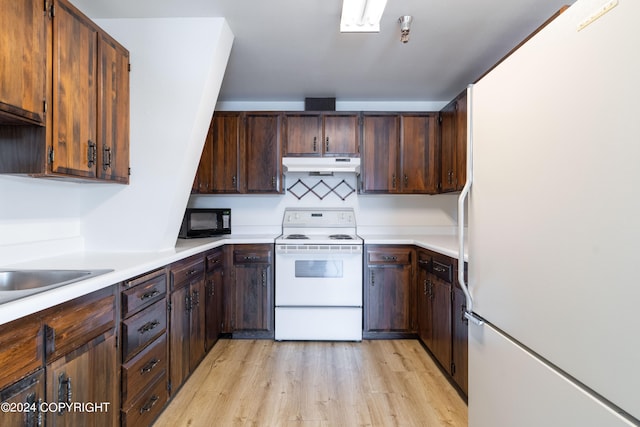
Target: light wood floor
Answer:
pixel 270 383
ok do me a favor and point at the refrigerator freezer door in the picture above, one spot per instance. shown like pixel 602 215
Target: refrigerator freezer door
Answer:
pixel 519 390
pixel 554 212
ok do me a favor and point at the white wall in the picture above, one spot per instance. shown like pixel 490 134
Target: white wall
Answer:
pixel 177 70
pixel 403 213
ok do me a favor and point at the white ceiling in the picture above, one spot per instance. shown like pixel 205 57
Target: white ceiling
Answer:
pixel 286 50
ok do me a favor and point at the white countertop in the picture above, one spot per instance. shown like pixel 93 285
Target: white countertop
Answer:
pixel 127 265
pixel 444 244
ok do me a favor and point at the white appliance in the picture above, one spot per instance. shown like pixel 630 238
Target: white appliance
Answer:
pixel 554 226
pixel 318 287
pixel 321 165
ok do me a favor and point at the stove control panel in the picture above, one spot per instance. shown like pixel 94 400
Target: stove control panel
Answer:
pixel 319 218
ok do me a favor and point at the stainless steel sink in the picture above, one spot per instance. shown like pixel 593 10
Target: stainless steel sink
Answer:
pixel 16 284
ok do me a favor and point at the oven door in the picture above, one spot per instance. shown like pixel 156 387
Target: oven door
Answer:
pixel 318 275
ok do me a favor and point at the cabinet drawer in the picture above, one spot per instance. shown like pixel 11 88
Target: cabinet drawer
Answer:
pixel 187 270
pixel 20 349
pixel 442 269
pixel 215 260
pixel 143 291
pixel 75 323
pixel 142 328
pixel 251 256
pixel 389 256
pixel 140 371
pixel 148 405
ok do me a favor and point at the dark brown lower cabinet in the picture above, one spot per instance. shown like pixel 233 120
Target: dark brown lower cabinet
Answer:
pixel 214 297
pixel 460 368
pixel 251 304
pixel 388 291
pixel 186 318
pixel 82 360
pixel 441 321
pixel 442 327
pixel 144 383
pixel 24 399
pixel 86 375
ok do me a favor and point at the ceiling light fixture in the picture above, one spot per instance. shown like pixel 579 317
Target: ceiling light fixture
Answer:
pixel 405 24
pixel 361 16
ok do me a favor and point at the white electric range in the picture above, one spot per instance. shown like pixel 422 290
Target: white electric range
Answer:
pixel 318 285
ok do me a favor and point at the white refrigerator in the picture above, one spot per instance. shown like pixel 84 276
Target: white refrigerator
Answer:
pixel 553 214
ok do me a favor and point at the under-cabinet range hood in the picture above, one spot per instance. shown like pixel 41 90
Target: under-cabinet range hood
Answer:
pixel 321 165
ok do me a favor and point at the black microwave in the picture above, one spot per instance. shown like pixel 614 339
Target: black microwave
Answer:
pixel 205 222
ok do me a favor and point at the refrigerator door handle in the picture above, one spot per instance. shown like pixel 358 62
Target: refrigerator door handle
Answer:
pixel 461 199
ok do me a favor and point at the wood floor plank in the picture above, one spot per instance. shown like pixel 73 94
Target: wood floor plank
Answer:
pixel 270 383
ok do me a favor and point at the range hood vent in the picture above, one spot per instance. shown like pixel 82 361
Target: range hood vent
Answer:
pixel 321 165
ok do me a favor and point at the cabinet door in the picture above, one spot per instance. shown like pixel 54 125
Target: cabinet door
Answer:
pixel 460 146
pixel 253 298
pixel 197 325
pixel 88 374
pixel 388 298
pixel 441 312
pixel 425 315
pixel 460 371
pixel 179 340
pixel 23 37
pixel 213 315
pixel 28 393
pixel 203 181
pixel 447 143
pixel 225 151
pixel 113 110
pixel 380 153
pixel 262 149
pixel 453 150
pixel 74 92
pixel 341 135
pixel 418 153
pixel 303 135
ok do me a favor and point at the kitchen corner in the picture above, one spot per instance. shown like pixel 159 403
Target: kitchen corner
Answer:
pixel 128 265
pixel 124 265
pixel 443 241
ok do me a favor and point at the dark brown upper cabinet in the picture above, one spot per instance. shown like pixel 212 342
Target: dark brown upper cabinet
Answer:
pixel 263 152
pixel 399 153
pixel 453 145
pixel 219 169
pixel 23 47
pixel 322 134
pixel 86 126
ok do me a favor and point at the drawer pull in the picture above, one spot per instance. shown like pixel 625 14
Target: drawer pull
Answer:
pixel 148 326
pixel 423 262
pixel 65 392
pixel 440 269
pixel 389 258
pixel 251 258
pixel 151 294
pixel 150 404
pixel 149 366
pixel 192 272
